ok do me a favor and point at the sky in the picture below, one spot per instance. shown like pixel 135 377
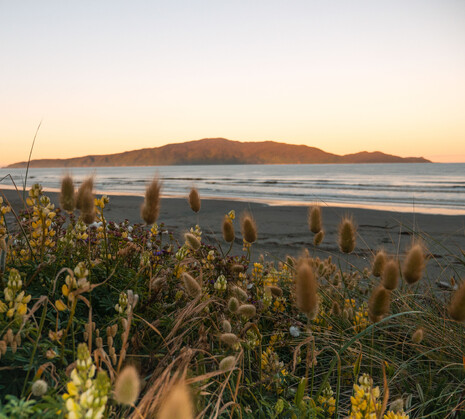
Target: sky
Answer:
pixel 344 76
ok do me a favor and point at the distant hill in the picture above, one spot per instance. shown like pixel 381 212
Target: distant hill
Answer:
pixel 221 151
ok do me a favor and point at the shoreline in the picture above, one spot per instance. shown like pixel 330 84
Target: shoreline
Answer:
pixel 288 203
pixel 283 230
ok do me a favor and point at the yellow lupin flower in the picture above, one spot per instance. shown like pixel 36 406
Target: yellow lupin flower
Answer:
pixel 60 305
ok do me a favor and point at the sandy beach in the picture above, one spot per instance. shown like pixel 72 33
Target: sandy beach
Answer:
pixel 283 230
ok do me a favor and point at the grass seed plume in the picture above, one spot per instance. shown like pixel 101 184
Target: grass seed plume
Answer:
pixel 151 206
pixel 306 290
pixel 194 200
pixel 314 219
pixel 249 228
pixel 127 386
pixel 347 232
pixel 67 195
pixel 414 264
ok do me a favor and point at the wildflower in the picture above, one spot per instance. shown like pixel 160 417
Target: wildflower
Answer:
pixel 414 264
pixel 221 283
pixel 326 401
pixel 86 396
pixel 122 305
pixel 151 206
pixel 15 300
pixel 347 235
pixel 127 386
pixel 194 200
pixel 364 402
pixel 248 228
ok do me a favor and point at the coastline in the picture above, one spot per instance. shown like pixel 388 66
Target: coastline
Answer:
pixel 283 230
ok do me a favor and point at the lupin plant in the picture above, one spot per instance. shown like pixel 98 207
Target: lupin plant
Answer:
pixel 86 396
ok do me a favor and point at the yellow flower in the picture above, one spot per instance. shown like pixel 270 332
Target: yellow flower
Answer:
pixel 60 305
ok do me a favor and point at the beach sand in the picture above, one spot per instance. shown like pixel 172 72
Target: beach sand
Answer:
pixel 283 230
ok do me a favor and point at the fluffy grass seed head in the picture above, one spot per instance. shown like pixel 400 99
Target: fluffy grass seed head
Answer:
pixel 127 386
pixel 151 207
pixel 85 201
pixel 417 336
pixel 192 242
pixel 275 290
pixel 347 232
pixel 414 264
pixel 39 388
pixel 178 403
pixel 378 304
pixel 233 304
pixel 457 304
pixel 192 286
pixel 306 288
pixel 226 326
pixel 87 185
pixel 390 276
pixel 314 219
pixel 228 229
pixel 229 338
pixel 318 239
pixel 248 228
pixel 227 363
pixel 378 263
pixel 194 200
pixel 247 310
pixel 67 195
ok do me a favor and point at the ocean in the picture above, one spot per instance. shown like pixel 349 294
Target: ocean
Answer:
pixel 427 188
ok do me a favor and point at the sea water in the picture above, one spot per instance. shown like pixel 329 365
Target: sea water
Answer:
pixel 425 187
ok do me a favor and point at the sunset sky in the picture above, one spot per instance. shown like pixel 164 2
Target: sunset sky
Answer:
pixel 344 76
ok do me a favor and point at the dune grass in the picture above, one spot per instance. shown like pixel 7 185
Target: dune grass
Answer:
pixel 110 319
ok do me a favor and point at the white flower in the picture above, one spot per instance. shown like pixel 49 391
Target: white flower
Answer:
pixel 294 331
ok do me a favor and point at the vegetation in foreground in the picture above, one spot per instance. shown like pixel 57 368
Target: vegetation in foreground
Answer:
pixel 99 319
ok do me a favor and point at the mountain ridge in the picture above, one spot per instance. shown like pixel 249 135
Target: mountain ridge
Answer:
pixel 220 151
